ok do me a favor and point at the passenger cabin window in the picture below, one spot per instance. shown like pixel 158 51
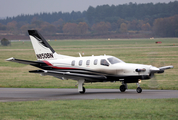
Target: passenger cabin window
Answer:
pixel 88 62
pixel 73 63
pixel 80 63
pixel 104 62
pixel 95 62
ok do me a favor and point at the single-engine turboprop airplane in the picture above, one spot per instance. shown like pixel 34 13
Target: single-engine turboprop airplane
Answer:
pixel 86 69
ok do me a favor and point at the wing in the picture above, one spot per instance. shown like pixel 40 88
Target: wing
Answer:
pixel 58 74
pixel 70 75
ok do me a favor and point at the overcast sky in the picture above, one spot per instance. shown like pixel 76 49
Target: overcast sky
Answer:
pixel 17 7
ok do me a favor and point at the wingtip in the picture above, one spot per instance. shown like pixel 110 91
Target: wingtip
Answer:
pixel 10 59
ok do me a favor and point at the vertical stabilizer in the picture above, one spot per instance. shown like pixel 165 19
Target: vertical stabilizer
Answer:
pixel 41 47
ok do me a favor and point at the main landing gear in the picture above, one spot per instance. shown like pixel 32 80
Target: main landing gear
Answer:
pixel 81 89
pixel 123 87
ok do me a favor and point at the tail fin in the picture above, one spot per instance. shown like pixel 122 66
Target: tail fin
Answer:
pixel 41 47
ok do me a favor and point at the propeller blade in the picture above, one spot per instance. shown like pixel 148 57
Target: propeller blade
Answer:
pixel 166 67
pixel 153 82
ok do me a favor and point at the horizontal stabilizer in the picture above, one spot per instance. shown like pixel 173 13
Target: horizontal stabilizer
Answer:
pixel 22 61
pixel 39 64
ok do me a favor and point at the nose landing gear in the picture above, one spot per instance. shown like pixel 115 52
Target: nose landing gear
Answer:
pixel 139 89
pixel 123 87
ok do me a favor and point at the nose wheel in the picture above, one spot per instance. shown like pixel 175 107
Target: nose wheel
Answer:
pixel 139 89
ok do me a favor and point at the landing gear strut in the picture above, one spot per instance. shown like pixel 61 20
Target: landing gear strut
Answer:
pixel 139 89
pixel 123 87
pixel 81 89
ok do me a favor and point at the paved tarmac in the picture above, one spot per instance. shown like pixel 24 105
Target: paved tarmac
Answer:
pixel 32 94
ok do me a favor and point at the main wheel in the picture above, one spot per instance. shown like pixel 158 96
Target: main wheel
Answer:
pixel 122 88
pixel 83 90
pixel 139 90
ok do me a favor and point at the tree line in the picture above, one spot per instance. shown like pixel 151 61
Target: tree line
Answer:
pixel 160 18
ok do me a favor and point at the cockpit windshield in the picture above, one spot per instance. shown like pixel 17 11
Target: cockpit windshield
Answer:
pixel 114 60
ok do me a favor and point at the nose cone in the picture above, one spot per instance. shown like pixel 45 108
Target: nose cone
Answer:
pixel 154 69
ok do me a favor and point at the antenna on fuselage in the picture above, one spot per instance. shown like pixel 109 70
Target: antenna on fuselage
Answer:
pixel 80 55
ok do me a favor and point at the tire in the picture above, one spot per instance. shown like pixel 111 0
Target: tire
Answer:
pixel 83 90
pixel 122 88
pixel 139 90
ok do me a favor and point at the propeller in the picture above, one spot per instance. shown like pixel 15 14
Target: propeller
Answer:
pixel 153 82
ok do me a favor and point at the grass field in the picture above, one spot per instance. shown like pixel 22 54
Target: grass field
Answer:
pixel 142 51
pixel 118 109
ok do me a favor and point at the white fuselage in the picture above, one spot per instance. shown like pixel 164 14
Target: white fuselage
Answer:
pixel 94 63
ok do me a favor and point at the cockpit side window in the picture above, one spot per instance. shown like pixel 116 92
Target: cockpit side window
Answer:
pixel 104 62
pixel 114 60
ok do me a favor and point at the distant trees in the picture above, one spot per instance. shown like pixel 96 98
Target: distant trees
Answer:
pixel 70 28
pixel 101 27
pixel 42 26
pixel 2 27
pixel 166 27
pixel 159 18
pixel 105 13
pixel 131 11
pixel 146 27
pixel 12 26
pixel 82 28
pixel 123 28
pixel 75 29
pixel 48 28
pixel 47 17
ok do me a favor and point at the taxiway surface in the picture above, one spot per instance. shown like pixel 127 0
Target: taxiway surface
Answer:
pixel 31 94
